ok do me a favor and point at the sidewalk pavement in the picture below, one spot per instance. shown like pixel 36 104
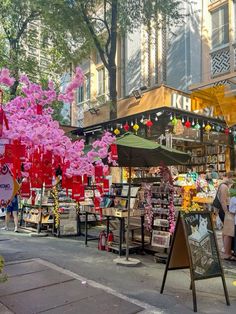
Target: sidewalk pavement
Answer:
pixel 37 286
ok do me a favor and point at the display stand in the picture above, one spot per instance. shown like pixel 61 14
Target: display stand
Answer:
pixel 111 214
pixel 194 246
pixel 37 215
pixel 65 216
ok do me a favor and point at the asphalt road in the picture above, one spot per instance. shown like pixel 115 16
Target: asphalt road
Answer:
pixel 141 283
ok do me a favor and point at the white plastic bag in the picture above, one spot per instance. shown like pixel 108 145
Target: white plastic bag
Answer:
pixel 219 223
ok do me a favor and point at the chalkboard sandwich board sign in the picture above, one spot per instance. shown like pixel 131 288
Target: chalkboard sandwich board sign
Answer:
pixel 194 246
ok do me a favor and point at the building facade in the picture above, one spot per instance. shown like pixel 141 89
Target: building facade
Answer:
pixel 199 52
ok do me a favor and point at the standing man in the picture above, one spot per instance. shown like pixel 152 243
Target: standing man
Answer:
pixel 211 173
pixel 12 208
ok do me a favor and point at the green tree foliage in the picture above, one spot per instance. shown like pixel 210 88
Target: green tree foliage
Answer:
pixel 24 33
pixel 98 23
pixel 15 17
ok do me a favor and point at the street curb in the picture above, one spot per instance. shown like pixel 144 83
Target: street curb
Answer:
pixel 229 272
pixel 147 308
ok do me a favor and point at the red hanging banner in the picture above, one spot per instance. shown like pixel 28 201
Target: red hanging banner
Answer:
pixel 114 152
pixel 20 151
pixel 98 171
pixel 85 180
pixel 96 201
pixel 106 185
pixel 25 189
pixel 78 191
pixel 3 120
pixel 9 155
pixel 39 109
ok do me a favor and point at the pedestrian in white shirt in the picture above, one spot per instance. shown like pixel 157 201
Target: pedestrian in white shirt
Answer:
pixel 232 209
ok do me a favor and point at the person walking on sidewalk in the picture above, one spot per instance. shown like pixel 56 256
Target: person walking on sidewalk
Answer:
pixel 223 199
pixel 12 208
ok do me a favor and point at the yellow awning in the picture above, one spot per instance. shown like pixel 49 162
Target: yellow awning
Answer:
pixel 220 98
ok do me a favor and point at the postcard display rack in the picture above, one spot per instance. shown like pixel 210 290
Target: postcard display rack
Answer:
pixel 66 213
pixel 40 214
pixel 162 196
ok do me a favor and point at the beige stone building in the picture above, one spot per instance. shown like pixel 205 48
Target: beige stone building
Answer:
pixel 197 53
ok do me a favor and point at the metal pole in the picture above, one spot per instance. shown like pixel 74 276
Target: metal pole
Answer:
pixel 40 211
pixel 128 224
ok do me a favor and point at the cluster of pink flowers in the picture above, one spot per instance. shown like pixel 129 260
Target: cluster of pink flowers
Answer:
pixel 147 187
pixel 30 121
pixel 5 77
pixel 77 81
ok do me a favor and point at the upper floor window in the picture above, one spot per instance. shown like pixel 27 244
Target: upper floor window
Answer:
pixel 83 92
pixel 101 81
pixel 220 26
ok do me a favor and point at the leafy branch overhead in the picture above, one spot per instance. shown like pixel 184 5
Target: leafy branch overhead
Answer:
pixel 69 30
pixel 99 24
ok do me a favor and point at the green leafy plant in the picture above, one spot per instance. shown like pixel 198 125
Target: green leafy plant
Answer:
pixel 3 277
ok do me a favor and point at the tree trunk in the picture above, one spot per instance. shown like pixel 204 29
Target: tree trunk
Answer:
pixel 112 60
pixel 113 92
pixel 15 68
pixel 13 89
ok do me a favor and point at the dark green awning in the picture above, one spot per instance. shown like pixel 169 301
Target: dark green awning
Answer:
pixel 135 151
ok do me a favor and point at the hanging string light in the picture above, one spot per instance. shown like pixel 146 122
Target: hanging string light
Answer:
pixel 126 127
pixel 197 126
pixel 156 118
pixel 193 122
pixel 142 120
pixel 187 124
pixel 183 120
pixel 174 121
pixel 203 124
pixel 117 131
pixel 227 131
pixel 218 128
pixel 132 123
pixel 136 127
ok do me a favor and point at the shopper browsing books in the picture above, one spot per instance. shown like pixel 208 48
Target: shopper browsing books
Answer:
pixel 211 173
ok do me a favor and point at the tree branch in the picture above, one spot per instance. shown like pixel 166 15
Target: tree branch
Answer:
pixel 108 30
pixel 8 34
pixel 112 53
pixel 94 36
pixel 33 15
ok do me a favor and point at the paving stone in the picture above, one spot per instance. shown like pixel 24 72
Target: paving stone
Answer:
pixel 32 281
pixel 4 310
pixel 100 304
pixel 42 299
pixel 23 268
